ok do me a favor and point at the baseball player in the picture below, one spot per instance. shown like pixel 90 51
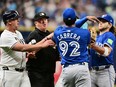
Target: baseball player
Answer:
pixel 102 73
pixel 72 45
pixel 13 47
pixel 59 82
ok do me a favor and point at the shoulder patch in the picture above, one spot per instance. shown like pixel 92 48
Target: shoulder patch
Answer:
pixel 110 41
pixel 33 41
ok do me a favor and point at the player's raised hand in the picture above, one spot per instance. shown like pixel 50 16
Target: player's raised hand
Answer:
pixel 93 19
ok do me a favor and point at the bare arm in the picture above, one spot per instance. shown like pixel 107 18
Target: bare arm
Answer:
pixel 50 36
pixel 28 47
pixel 101 50
pixel 32 54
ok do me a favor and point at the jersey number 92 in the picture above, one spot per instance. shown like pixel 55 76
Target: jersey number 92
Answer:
pixel 64 47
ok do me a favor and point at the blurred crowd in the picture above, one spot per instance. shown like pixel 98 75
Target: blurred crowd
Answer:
pixel 54 8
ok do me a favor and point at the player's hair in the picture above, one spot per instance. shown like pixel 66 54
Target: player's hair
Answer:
pixel 113 30
pixel 69 22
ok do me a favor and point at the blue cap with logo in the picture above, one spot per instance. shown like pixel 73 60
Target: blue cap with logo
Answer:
pixel 69 14
pixel 108 18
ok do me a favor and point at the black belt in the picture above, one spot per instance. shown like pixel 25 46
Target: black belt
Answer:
pixel 16 69
pixel 66 65
pixel 98 68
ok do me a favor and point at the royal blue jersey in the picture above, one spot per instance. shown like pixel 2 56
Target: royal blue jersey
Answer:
pixel 108 39
pixel 72 44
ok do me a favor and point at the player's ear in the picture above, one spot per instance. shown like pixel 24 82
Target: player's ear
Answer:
pixel 110 25
pixel 9 23
pixel 35 22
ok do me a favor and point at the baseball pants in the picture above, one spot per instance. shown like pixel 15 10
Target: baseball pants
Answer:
pixel 14 79
pixel 103 78
pixel 76 76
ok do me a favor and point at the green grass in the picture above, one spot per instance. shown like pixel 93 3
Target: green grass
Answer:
pixel 115 86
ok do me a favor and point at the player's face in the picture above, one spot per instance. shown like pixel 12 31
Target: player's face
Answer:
pixel 42 24
pixel 14 24
pixel 103 25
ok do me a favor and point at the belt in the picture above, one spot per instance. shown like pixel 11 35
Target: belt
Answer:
pixel 66 65
pixel 98 68
pixel 16 69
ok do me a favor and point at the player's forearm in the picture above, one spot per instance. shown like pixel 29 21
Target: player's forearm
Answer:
pixel 80 22
pixel 30 48
pixel 50 36
pixel 99 49
pixel 27 47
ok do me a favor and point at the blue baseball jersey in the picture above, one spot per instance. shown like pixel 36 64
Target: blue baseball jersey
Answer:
pixel 72 44
pixel 108 39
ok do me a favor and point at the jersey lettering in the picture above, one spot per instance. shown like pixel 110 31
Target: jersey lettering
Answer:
pixel 68 35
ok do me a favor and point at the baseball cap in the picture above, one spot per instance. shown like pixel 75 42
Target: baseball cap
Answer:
pixel 69 14
pixel 40 15
pixel 108 18
pixel 10 15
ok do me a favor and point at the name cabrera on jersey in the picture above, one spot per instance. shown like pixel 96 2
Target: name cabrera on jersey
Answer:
pixel 72 44
pixel 10 57
pixel 105 39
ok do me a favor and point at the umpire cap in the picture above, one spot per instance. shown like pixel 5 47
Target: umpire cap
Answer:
pixel 40 15
pixel 10 15
pixel 108 18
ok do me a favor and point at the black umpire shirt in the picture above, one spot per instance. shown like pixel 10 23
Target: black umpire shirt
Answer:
pixel 45 61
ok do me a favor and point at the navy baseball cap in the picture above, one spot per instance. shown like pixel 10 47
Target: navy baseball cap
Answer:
pixel 69 14
pixel 108 18
pixel 40 15
pixel 10 15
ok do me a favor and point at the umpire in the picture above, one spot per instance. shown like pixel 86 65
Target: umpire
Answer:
pixel 41 68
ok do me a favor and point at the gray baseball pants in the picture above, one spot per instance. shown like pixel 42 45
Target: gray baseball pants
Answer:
pixel 76 75
pixel 103 78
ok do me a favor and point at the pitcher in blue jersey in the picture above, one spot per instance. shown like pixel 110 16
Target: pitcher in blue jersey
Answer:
pixel 102 73
pixel 72 44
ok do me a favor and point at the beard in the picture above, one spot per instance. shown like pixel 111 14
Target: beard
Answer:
pixel 103 29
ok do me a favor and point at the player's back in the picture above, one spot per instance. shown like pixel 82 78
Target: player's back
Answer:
pixel 72 44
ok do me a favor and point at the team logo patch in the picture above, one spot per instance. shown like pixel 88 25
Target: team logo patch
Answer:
pixel 110 41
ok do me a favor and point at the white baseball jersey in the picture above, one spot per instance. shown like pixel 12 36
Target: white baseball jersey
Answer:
pixel 10 57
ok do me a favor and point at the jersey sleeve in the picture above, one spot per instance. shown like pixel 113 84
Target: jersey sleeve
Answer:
pixel 54 36
pixel 80 22
pixel 8 41
pixel 89 37
pixel 55 33
pixel 31 39
pixel 110 39
pixel 84 26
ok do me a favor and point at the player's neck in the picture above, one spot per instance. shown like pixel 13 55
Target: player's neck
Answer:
pixel 101 32
pixel 10 29
pixel 70 26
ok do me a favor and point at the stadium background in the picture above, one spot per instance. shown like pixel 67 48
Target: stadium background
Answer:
pixel 54 8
